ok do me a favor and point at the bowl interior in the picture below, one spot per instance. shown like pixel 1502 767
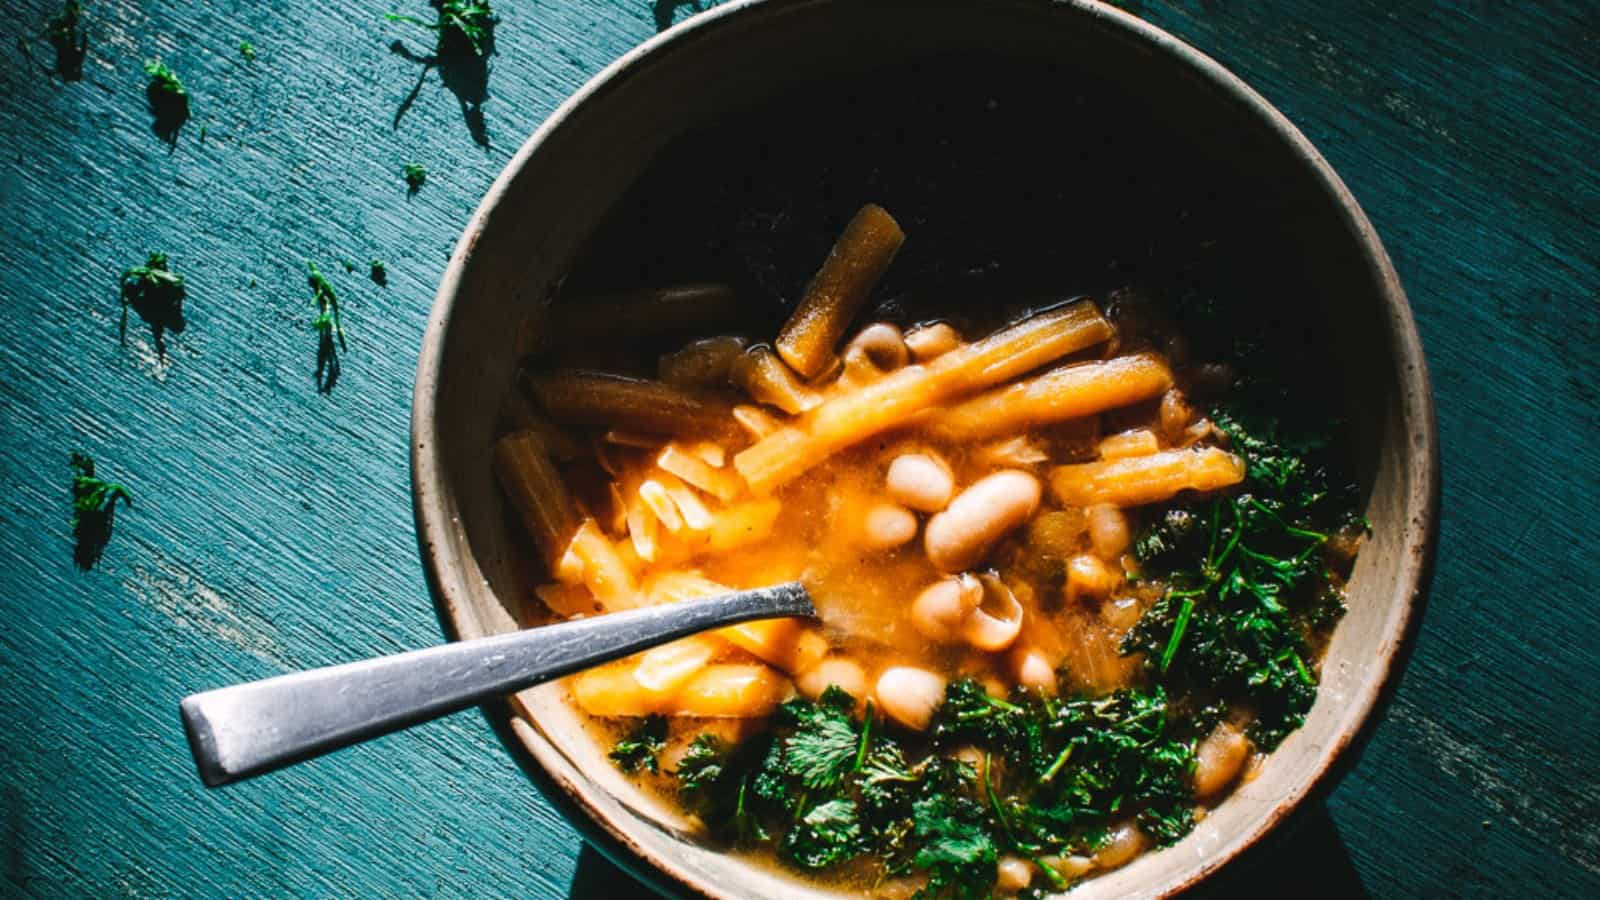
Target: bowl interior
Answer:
pixel 1031 152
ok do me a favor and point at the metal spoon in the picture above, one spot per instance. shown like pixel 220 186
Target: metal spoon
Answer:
pixel 245 730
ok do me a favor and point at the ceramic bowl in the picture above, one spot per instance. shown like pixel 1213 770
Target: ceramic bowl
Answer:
pixel 1113 143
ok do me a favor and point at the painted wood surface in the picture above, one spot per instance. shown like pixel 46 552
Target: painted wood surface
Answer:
pixel 272 525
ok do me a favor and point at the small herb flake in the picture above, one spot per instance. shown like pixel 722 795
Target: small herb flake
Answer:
pixel 416 176
pixel 169 100
pixel 94 509
pixel 156 293
pixel 467 22
pixel 379 272
pixel 639 749
pixel 329 326
pixel 248 51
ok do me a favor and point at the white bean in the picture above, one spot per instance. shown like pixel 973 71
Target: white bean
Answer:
pixel 957 538
pixel 1218 759
pixel 1176 414
pixel 878 349
pixel 1108 531
pixel 1012 875
pixel 997 621
pixel 910 695
pixel 1087 576
pixel 887 525
pixel 920 481
pixel 841 672
pixel 1033 670
pixel 928 341
pixel 1126 842
pixel 941 607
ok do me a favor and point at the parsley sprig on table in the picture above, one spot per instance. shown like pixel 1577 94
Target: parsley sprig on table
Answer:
pixel 469 21
pixel 329 326
pixel 94 509
pixel 169 100
pixel 156 293
pixel 416 176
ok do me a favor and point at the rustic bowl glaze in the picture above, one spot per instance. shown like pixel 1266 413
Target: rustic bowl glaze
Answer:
pixel 553 196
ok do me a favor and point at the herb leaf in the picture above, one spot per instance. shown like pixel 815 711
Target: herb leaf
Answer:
pixel 639 748
pixel 94 510
pixel 156 293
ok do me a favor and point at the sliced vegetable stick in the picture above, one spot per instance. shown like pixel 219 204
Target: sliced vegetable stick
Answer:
pixel 722 484
pixel 582 397
pixel 767 380
pixel 1146 479
pixel 703 363
pixel 834 296
pixel 711 454
pixel 604 572
pixel 734 690
pixel 567 600
pixel 742 524
pixel 537 492
pixel 519 414
pixel 642 526
pixel 630 314
pixel 655 496
pixel 792 645
pixel 1138 442
pixel 756 421
pixel 695 515
pixel 612 690
pixel 624 438
pixel 665 669
pixel 901 395
pixel 1060 394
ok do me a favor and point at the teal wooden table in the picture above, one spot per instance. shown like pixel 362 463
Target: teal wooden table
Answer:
pixel 272 525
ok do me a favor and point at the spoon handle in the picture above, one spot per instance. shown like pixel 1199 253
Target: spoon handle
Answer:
pixel 244 730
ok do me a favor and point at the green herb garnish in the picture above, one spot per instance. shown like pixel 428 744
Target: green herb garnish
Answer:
pixel 827 786
pixel 416 176
pixel 468 21
pixel 1248 583
pixel 156 293
pixel 94 510
pixel 248 51
pixel 378 270
pixel 329 326
pixel 169 100
pixel 639 748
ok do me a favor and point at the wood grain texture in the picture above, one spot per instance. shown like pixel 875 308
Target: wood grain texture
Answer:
pixel 272 525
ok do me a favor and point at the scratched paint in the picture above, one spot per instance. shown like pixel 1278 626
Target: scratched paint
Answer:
pixel 273 525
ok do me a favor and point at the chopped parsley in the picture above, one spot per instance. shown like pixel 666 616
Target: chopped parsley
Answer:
pixel 94 510
pixel 156 293
pixel 248 51
pixel 378 270
pixel 329 326
pixel 467 23
pixel 1248 585
pixel 169 100
pixel 825 786
pixel 416 176
pixel 639 749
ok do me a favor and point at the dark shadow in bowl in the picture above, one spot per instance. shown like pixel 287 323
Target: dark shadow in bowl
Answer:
pixel 1013 194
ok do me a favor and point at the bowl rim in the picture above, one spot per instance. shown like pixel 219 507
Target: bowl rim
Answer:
pixel 430 491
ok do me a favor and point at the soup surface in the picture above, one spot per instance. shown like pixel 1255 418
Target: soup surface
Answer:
pixel 1073 572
